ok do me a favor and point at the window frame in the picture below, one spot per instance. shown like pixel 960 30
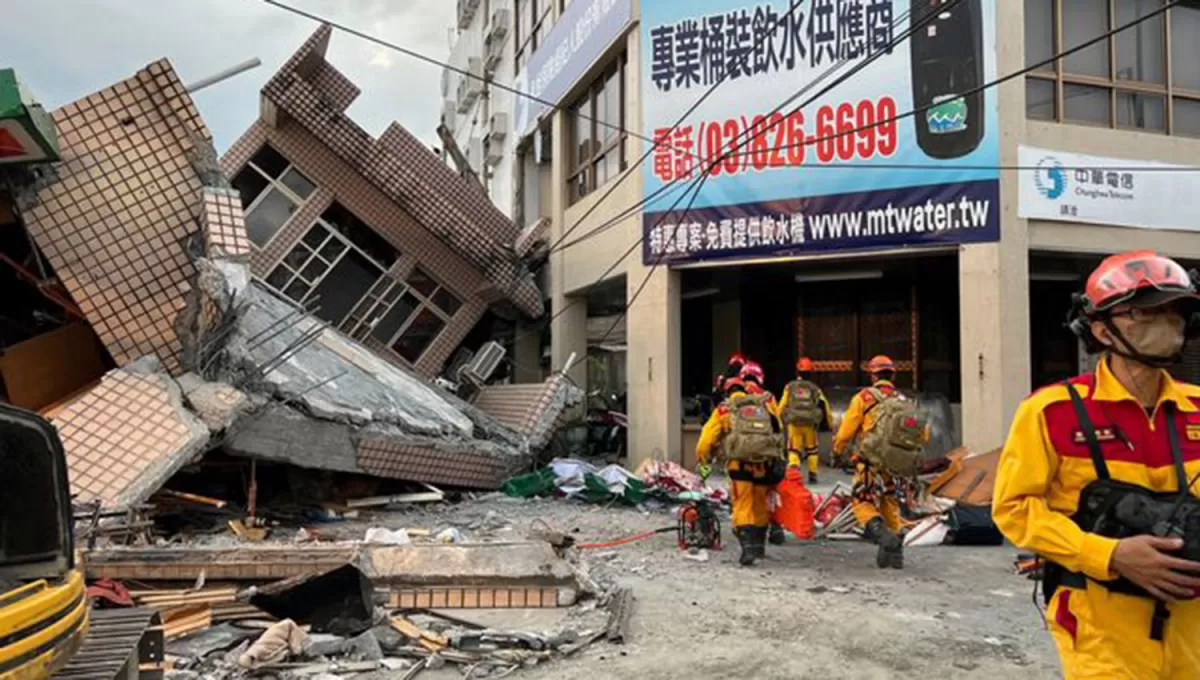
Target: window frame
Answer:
pixel 364 326
pixel 297 273
pixel 531 37
pixel 584 168
pixel 1114 86
pixel 275 183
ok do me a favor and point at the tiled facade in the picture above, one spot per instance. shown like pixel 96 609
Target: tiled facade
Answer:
pixel 117 432
pixel 435 463
pixel 114 223
pixel 434 218
pixel 223 225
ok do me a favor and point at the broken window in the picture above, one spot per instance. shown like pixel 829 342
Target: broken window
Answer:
pixel 404 316
pixel 272 190
pixel 338 265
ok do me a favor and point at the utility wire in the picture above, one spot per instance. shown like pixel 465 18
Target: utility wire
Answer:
pixel 698 183
pixel 445 65
pixel 636 167
pixel 913 28
pixel 999 81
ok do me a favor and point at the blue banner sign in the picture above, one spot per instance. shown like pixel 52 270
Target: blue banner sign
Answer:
pixel 852 170
pixel 586 29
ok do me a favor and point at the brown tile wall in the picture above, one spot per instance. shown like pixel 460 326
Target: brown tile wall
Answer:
pixel 338 90
pixel 126 198
pixel 335 179
pixel 223 225
pixel 516 406
pixel 437 463
pixel 115 432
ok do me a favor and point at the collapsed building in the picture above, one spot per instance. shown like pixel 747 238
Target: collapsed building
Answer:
pixel 297 314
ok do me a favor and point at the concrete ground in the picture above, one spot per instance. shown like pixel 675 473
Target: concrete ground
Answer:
pixel 811 610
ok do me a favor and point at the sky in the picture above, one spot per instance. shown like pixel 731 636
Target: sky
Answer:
pixel 64 50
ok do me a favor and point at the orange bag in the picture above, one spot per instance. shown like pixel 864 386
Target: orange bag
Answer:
pixel 795 511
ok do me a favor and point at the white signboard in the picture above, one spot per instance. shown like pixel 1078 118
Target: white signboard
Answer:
pixel 1073 187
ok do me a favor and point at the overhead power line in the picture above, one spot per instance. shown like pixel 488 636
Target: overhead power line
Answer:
pixel 999 81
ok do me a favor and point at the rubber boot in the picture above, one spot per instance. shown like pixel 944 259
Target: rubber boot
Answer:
pixel 891 547
pixel 775 535
pixel 812 478
pixel 752 540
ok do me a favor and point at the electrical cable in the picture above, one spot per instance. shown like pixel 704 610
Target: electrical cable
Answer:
pixel 628 539
pixel 445 65
pixel 999 81
pixel 702 177
pixel 913 28
pixel 636 167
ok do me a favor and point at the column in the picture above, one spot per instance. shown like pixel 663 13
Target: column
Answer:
pixel 653 365
pixel 568 328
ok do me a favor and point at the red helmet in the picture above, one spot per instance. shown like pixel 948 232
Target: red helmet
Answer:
pixel 737 359
pixel 804 364
pixel 1140 277
pixel 880 363
pixel 752 371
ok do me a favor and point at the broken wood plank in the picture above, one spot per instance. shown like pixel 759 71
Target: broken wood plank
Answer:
pixel 247 533
pixel 406 627
pixel 187 619
pixel 377 501
pixel 193 497
pixel 620 611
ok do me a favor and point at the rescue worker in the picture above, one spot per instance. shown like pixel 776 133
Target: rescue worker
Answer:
pixel 804 410
pixel 1129 422
pixel 753 377
pixel 751 435
pixel 875 503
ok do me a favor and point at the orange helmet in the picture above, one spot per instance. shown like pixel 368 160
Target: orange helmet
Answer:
pixel 879 364
pixel 804 364
pixel 1140 277
pixel 752 371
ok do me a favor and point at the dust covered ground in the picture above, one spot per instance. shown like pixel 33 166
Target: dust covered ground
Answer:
pixel 811 610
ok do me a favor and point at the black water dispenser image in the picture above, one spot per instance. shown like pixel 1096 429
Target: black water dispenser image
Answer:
pixel 947 60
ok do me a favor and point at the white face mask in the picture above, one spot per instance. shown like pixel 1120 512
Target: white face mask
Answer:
pixel 1157 336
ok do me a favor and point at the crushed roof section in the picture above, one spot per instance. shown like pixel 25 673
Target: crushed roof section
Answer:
pixel 114 221
pixel 308 90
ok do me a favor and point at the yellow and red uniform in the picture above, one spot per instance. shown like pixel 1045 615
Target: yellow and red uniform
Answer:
pixel 750 483
pixel 802 439
pixel 874 490
pixel 1043 468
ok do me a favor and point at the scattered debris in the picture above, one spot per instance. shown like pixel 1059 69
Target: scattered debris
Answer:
pixel 277 643
pixel 620 611
pixel 387 536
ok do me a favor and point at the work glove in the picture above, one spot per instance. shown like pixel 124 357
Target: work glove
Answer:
pixel 704 470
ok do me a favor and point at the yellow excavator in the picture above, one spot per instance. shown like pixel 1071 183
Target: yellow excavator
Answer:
pixel 47 626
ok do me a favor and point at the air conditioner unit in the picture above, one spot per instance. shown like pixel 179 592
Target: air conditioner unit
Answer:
pixel 495 154
pixel 483 364
pixel 493 55
pixel 498 127
pixel 501 21
pixel 466 12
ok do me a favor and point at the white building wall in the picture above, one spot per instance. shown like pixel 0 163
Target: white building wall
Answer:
pixel 489 31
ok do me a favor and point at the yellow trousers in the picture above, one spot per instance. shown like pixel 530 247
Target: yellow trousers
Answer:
pixel 1103 635
pixel 874 494
pixel 803 443
pixel 749 486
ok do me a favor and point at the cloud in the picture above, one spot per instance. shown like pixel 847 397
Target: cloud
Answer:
pixel 67 49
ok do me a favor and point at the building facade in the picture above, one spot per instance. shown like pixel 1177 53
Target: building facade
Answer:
pixel 916 208
pixel 377 237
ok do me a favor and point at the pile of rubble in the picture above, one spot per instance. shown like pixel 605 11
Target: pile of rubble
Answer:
pixel 338 609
